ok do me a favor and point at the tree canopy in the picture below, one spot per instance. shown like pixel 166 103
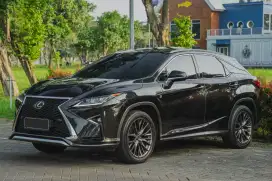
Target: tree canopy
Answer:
pixel 183 35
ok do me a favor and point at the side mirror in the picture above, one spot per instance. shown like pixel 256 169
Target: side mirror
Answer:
pixel 173 77
pixel 176 75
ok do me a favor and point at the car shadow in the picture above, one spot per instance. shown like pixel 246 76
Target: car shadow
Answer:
pixel 91 157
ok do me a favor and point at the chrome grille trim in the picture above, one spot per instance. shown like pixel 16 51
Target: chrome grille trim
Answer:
pixel 67 122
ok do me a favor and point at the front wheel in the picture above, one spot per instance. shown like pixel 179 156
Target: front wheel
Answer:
pixel 240 131
pixel 47 148
pixel 138 137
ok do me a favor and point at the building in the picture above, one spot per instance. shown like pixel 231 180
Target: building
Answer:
pixel 242 29
pixel 204 15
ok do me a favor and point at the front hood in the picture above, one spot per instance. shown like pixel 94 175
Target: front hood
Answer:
pixel 67 87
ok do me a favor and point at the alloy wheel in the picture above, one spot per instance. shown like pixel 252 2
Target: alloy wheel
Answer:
pixel 140 137
pixel 243 127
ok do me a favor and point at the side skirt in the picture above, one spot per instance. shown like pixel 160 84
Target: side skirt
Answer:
pixel 205 133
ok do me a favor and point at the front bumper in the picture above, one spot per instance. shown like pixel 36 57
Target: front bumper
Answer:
pixel 109 143
pixel 68 127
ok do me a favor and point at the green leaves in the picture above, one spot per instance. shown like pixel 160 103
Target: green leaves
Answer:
pixel 33 22
pixel 183 36
pixel 113 32
pixel 27 28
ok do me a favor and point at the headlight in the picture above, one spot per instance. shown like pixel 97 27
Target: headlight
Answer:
pixel 94 101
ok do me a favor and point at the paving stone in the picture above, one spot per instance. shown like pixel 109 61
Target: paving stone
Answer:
pixel 176 161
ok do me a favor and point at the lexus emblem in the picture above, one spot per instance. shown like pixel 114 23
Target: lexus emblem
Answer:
pixel 39 105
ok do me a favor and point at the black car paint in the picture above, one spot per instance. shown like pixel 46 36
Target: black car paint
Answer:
pixel 186 108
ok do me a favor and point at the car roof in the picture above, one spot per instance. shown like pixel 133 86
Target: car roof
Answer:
pixel 169 50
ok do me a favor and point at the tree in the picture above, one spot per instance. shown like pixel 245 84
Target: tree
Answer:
pixel 183 36
pixel 5 69
pixel 27 32
pixel 158 18
pixel 66 20
pixel 113 32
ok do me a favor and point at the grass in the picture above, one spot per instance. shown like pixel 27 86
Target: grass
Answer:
pixel 5 111
pixel 262 73
pixel 42 71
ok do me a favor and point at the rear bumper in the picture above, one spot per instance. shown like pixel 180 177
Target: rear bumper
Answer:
pixel 108 143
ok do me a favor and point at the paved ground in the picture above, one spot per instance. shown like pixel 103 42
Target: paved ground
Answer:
pixel 180 160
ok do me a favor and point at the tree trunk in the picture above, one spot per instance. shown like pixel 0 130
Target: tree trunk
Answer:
pixel 28 70
pixel 159 25
pixel 51 53
pixel 6 74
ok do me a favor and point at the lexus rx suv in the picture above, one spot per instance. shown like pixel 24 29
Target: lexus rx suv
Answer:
pixel 129 100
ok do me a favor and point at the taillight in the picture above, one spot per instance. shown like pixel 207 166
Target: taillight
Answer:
pixel 257 83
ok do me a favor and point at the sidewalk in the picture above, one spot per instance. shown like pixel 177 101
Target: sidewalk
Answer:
pixel 4 120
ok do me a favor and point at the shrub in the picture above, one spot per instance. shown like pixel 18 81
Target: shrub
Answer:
pixel 265 129
pixel 58 73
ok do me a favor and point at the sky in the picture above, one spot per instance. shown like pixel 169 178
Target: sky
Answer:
pixel 123 7
pixel 120 5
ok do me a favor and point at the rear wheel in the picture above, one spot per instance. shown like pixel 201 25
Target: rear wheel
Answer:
pixel 138 137
pixel 240 132
pixel 47 148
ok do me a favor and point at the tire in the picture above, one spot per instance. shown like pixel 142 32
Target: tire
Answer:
pixel 49 149
pixel 240 128
pixel 136 148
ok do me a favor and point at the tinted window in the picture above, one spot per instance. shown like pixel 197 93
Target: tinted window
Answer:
pixel 126 66
pixel 209 66
pixel 180 63
pixel 233 66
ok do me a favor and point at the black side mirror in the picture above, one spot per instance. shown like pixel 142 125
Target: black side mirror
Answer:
pixel 175 74
pixel 173 77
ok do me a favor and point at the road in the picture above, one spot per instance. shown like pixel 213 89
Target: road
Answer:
pixel 188 160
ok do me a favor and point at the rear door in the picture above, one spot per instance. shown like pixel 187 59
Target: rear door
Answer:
pixel 218 90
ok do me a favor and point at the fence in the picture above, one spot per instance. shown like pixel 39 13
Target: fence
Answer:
pixel 237 31
pixel 10 83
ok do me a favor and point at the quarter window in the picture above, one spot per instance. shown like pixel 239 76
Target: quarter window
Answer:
pixel 183 63
pixel 209 66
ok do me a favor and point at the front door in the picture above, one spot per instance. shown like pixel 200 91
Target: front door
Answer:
pixel 183 103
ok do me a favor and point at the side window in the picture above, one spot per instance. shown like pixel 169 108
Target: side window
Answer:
pixel 183 63
pixel 209 66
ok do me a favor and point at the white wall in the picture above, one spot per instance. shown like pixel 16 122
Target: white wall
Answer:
pixel 261 52
pixel 211 45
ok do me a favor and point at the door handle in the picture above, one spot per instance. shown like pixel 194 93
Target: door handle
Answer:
pixel 234 84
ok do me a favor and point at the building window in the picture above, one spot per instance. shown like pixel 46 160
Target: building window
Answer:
pixel 250 24
pixel 230 25
pixel 240 24
pixel 173 30
pixel 196 28
pixel 267 21
pixel 270 20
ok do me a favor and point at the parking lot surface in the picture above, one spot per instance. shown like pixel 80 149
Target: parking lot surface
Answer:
pixel 188 160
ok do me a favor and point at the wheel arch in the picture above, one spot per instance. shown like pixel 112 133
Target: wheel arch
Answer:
pixel 248 102
pixel 148 107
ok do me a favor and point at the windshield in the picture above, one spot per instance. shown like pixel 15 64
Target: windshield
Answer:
pixel 128 66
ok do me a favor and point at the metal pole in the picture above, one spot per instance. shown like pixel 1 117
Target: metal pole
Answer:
pixel 149 37
pixel 10 93
pixel 131 16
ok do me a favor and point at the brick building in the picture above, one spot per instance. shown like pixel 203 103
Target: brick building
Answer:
pixel 204 15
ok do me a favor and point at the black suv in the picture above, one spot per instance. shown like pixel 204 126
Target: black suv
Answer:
pixel 131 99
